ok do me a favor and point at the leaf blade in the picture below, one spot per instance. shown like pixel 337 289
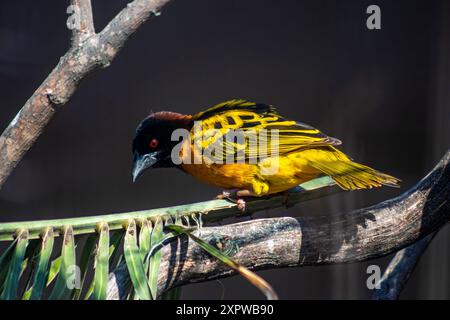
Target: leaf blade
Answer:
pixel 252 277
pixel 134 263
pixel 114 248
pixel 102 264
pixel 41 271
pixel 55 266
pixel 5 260
pixel 145 239
pixel 115 240
pixel 15 267
pixel 86 258
pixel 63 288
pixel 155 259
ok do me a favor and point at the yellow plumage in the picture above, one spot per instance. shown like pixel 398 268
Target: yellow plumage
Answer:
pixel 297 151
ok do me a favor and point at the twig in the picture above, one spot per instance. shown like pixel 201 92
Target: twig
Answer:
pixel 313 240
pixel 88 52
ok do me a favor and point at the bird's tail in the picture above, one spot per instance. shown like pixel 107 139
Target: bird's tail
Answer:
pixel 350 175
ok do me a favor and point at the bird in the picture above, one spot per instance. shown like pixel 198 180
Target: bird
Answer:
pixel 286 152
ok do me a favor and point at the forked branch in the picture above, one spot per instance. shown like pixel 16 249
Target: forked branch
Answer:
pixel 88 51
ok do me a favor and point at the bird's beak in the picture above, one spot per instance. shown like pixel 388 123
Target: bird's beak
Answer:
pixel 143 162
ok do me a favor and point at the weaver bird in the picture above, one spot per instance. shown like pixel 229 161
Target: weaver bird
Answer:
pixel 297 152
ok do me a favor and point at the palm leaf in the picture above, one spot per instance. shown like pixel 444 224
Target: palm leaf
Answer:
pixel 29 264
pixel 41 272
pixel 15 267
pixel 134 262
pixel 145 237
pixel 86 259
pixel 114 249
pixel 64 281
pixel 155 259
pixel 115 239
pixel 5 260
pixel 55 266
pixel 216 209
pixel 29 254
pixel 102 264
pixel 252 277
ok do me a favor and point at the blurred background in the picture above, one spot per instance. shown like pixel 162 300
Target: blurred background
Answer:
pixel 384 93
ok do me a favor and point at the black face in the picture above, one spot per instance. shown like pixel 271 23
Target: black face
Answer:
pixel 152 145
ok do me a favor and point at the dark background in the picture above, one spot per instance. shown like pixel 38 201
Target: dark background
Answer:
pixel 385 93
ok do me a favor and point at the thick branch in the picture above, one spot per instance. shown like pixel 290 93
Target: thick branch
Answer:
pixel 313 240
pixel 88 51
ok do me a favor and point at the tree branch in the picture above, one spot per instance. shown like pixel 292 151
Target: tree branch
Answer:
pixel 83 22
pixel 400 269
pixel 88 52
pixel 311 240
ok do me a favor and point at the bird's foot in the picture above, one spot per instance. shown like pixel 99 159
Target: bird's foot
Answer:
pixel 235 196
pixel 241 204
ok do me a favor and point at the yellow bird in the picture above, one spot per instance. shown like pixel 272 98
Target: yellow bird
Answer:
pixel 248 148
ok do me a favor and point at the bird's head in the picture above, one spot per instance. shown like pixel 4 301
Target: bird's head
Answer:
pixel 152 144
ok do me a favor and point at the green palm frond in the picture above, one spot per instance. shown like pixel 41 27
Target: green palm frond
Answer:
pixel 135 263
pixel 15 267
pixel 41 271
pixel 64 281
pixel 252 277
pixel 102 264
pixel 87 258
pixel 155 259
pixel 30 268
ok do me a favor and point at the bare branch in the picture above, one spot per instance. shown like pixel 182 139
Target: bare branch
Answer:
pixel 312 240
pixel 83 22
pixel 400 269
pixel 88 52
pixel 116 32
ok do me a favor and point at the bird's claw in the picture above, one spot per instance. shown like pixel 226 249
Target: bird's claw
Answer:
pixel 232 196
pixel 241 205
pixel 229 195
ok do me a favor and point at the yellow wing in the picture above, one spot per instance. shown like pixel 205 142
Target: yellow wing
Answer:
pixel 248 131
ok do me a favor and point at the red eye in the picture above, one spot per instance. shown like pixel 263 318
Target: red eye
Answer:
pixel 153 143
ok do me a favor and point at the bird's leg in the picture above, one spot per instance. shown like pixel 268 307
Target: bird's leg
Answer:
pixel 235 195
pixel 287 194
